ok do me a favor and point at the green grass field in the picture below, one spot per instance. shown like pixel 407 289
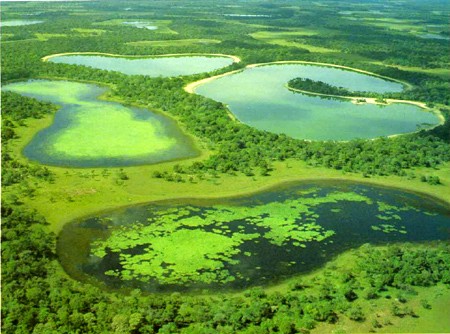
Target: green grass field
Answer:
pixel 288 39
pixel 81 192
pixel 45 37
pixel 88 32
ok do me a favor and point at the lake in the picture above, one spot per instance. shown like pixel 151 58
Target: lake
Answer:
pixel 141 25
pixel 234 243
pixel 258 97
pixel 15 23
pixel 88 132
pixel 434 36
pixel 154 67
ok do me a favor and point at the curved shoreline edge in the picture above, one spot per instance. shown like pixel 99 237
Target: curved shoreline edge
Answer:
pixel 372 100
pixel 191 87
pixel 234 58
pixel 271 187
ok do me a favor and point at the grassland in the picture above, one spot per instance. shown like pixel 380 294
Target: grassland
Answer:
pixel 45 37
pixel 291 39
pixel 433 320
pixel 88 32
pixel 80 192
pixel 75 193
pixel 444 73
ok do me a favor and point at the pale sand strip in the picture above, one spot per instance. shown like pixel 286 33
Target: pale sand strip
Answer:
pixel 190 88
pixel 235 59
pixel 331 65
pixel 372 100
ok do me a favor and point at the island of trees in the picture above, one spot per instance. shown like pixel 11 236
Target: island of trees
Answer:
pixel 39 297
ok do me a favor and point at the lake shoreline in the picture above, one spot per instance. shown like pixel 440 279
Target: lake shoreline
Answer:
pixel 372 100
pixel 190 88
pixel 172 55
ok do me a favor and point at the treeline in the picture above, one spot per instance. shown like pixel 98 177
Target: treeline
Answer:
pixel 323 88
pixel 36 298
pixel 15 110
pixel 240 148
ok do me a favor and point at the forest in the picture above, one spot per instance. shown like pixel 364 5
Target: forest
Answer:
pixel 368 289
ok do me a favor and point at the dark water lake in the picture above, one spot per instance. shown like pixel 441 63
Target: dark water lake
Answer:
pixel 258 97
pixel 234 243
pixel 88 132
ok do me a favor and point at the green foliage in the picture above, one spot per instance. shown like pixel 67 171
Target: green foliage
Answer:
pixel 36 298
pixel 320 87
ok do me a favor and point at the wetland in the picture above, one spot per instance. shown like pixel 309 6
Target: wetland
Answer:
pixel 88 132
pixel 234 243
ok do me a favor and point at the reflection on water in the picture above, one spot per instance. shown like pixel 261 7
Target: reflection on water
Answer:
pixel 274 108
pixel 191 245
pixel 154 67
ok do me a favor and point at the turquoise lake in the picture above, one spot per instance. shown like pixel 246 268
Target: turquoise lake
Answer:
pixel 261 239
pixel 154 67
pixel 258 97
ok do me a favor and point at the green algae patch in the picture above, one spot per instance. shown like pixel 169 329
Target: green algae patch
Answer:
pixel 183 256
pixel 189 244
pixel 119 134
pixel 196 245
pixel 88 132
pixel 389 228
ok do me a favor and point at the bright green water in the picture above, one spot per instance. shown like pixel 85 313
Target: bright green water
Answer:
pixel 87 132
pixel 154 67
pixel 258 97
pixel 191 244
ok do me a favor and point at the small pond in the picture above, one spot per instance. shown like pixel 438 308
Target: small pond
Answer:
pixel 141 25
pixel 15 23
pixel 154 67
pixel 234 243
pixel 434 36
pixel 258 97
pixel 88 132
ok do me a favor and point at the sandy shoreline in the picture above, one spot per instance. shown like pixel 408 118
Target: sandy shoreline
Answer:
pixel 408 85
pixel 234 58
pixel 191 87
pixel 372 100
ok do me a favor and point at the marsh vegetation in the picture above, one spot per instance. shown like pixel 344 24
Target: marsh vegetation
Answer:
pixel 359 259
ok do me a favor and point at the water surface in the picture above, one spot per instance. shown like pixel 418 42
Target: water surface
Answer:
pixel 189 245
pixel 88 132
pixel 141 25
pixel 154 67
pixel 15 23
pixel 259 97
